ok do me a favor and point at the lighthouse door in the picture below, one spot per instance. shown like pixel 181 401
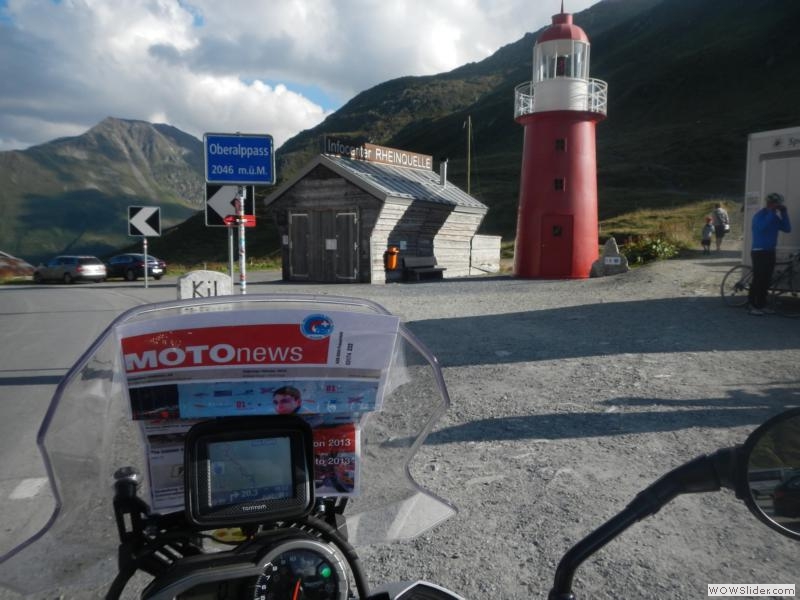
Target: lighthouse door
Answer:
pixel 556 255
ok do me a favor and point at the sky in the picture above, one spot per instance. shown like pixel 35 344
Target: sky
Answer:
pixel 273 67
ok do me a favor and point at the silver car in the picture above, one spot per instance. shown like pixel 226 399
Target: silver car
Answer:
pixel 71 268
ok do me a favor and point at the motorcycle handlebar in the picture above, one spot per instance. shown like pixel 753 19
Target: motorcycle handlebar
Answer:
pixel 703 474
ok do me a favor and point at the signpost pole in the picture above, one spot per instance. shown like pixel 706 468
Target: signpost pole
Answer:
pixel 145 262
pixel 240 219
pixel 230 251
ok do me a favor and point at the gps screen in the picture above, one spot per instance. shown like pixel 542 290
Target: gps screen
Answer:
pixel 249 470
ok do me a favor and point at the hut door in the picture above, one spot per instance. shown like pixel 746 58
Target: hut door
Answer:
pixel 347 246
pixel 556 255
pixel 299 239
pixel 323 246
pixel 338 239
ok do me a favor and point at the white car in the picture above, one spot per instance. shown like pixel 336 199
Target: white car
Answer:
pixel 71 268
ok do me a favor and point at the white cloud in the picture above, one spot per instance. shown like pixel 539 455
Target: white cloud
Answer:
pixel 204 65
pixel 226 104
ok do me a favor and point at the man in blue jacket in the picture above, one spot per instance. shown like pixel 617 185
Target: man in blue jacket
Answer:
pixel 766 224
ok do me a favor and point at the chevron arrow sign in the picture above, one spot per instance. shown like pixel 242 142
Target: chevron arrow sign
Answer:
pixel 144 221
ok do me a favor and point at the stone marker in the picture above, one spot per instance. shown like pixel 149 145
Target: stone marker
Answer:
pixel 204 284
pixel 611 262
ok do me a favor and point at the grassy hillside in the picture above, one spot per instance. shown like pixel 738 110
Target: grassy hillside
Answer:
pixel 72 194
pixel 688 81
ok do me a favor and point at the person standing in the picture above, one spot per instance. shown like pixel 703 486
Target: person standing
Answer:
pixel 722 223
pixel 705 236
pixel 766 224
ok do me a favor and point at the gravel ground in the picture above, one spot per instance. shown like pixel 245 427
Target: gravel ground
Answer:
pixel 569 397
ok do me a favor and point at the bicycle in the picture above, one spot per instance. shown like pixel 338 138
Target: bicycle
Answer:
pixel 783 292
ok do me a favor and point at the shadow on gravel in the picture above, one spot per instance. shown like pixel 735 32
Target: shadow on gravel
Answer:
pixel 733 411
pixel 691 324
pixel 84 285
pixel 734 256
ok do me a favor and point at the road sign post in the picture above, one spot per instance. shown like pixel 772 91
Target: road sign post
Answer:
pixel 144 222
pixel 242 259
pixel 240 160
pixel 144 251
pixel 230 251
pixel 221 211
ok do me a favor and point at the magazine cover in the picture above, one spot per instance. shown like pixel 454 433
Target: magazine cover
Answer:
pixel 330 369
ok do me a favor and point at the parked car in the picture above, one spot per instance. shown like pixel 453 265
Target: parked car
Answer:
pixel 786 498
pixel 70 268
pixel 764 481
pixel 131 266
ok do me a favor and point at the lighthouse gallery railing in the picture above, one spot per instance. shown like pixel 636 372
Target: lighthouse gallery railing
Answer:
pixel 596 98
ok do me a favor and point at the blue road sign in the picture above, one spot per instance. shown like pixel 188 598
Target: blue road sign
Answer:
pixel 242 159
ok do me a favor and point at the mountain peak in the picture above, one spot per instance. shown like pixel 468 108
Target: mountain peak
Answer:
pixel 83 185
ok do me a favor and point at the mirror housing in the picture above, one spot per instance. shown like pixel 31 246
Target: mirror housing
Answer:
pixel 769 473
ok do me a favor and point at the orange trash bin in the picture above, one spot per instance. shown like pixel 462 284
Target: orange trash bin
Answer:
pixel 391 258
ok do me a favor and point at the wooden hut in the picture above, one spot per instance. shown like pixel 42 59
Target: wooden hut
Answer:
pixel 345 209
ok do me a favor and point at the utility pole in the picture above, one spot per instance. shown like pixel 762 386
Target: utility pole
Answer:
pixel 469 151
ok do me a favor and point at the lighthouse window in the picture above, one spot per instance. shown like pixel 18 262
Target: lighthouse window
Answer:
pixel 561 145
pixel 558 184
pixel 581 61
pixel 561 66
pixel 560 58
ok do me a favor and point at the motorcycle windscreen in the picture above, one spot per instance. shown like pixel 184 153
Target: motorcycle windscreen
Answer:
pixel 95 425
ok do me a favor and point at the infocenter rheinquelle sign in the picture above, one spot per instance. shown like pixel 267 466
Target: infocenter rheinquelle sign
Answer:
pixel 242 159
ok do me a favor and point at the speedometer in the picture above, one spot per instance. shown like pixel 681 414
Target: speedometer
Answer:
pixel 302 570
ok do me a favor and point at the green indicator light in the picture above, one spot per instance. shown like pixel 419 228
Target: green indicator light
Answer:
pixel 325 571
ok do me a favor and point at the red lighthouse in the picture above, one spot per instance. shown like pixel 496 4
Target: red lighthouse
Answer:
pixel 557 231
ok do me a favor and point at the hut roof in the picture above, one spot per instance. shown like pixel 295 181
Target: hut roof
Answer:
pixel 387 182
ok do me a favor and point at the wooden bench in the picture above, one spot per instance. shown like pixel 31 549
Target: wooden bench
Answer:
pixel 417 268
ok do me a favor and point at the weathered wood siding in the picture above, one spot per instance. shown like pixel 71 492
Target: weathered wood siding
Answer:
pixel 485 254
pixel 452 243
pixel 382 233
pixel 415 227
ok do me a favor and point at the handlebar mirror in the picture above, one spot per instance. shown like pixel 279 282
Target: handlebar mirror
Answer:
pixel 771 482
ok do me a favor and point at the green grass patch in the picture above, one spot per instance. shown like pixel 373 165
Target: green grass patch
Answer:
pixel 649 234
pixel 263 263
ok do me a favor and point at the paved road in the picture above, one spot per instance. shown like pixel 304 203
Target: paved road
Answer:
pixel 43 330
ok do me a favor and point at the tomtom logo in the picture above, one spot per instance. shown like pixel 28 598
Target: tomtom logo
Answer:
pixel 256 507
pixel 189 356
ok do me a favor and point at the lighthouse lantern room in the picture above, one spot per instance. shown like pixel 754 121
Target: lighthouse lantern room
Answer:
pixel 557 223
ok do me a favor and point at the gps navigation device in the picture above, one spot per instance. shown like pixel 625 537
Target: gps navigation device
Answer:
pixel 248 470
